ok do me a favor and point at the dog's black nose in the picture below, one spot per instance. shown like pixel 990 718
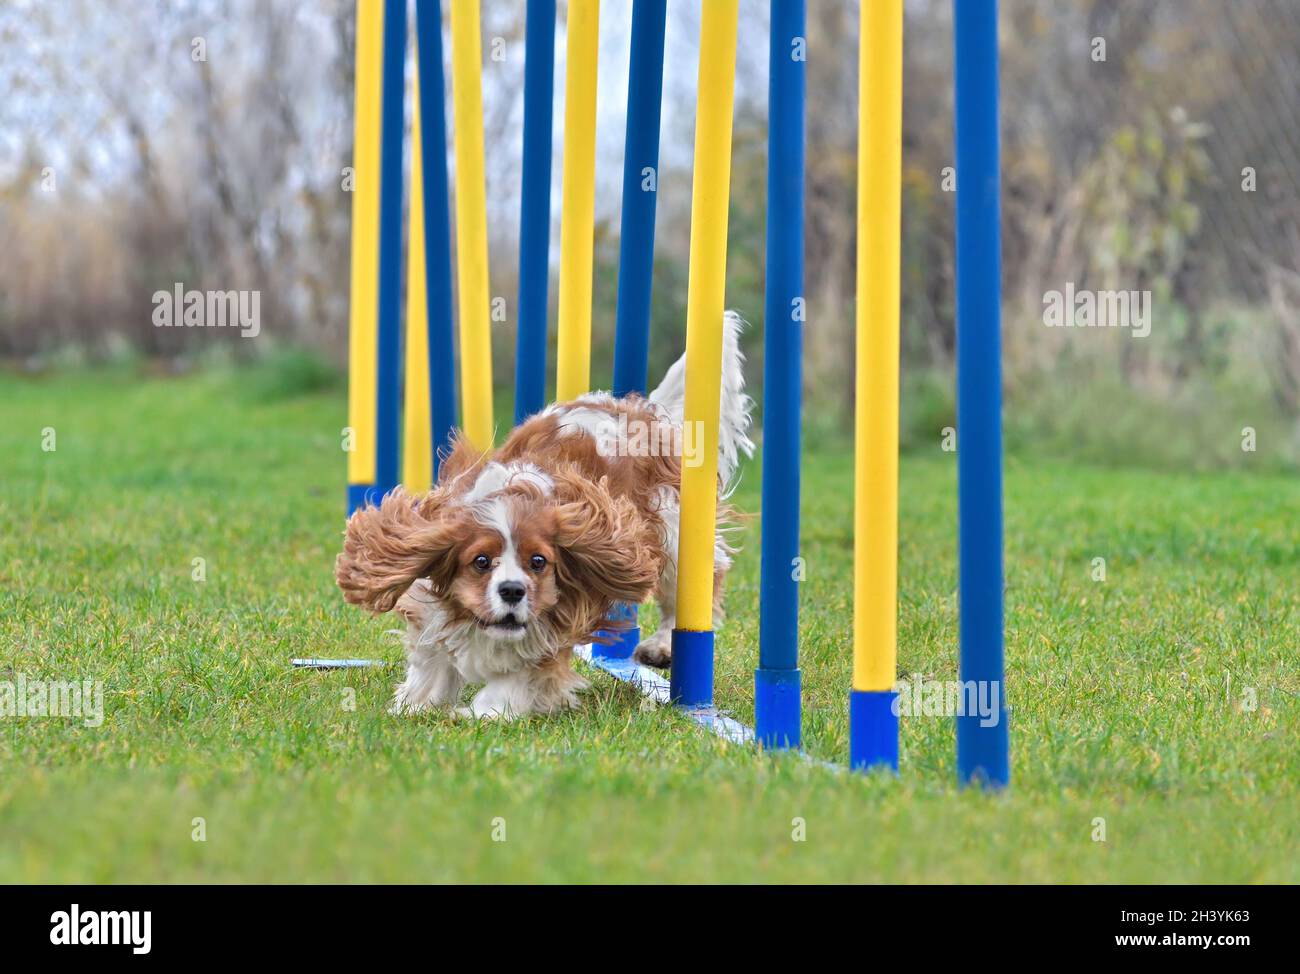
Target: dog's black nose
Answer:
pixel 512 593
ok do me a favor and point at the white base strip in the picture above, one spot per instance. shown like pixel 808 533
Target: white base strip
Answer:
pixel 651 683
pixel 654 687
pixel 338 664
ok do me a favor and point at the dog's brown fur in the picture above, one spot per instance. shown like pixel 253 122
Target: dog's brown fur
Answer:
pixel 591 528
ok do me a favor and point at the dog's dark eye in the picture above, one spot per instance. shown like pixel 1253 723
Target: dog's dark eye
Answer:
pixel 482 563
pixel 537 562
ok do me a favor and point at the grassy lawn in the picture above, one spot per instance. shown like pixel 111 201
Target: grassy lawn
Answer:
pixel 1123 709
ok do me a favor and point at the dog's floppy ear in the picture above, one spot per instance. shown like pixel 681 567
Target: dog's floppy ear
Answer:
pixel 388 547
pixel 606 547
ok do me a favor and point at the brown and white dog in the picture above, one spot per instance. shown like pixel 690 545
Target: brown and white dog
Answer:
pixel 517 556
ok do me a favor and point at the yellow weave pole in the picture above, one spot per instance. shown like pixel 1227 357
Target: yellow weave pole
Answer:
pixel 363 315
pixel 710 194
pixel 578 200
pixel 417 435
pixel 875 509
pixel 471 225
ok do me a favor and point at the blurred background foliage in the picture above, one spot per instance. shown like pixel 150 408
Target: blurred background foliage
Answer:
pixel 1173 165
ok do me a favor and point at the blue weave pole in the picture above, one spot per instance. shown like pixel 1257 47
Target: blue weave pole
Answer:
pixel 640 194
pixel 777 679
pixel 691 669
pixel 982 742
pixel 392 138
pixel 623 638
pixel 437 227
pixel 873 730
pixel 535 210
pixel 636 252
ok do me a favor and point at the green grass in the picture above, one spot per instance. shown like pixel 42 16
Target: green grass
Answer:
pixel 1121 706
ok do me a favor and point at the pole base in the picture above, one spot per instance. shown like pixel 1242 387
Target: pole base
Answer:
pixel 692 668
pixel 366 495
pixel 623 640
pixel 982 752
pixel 873 730
pixel 776 708
pixel 359 496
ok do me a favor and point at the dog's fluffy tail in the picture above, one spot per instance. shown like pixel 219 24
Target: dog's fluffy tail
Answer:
pixel 733 424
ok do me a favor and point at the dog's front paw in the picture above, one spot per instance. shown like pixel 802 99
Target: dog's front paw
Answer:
pixel 405 707
pixel 474 712
pixel 656 650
